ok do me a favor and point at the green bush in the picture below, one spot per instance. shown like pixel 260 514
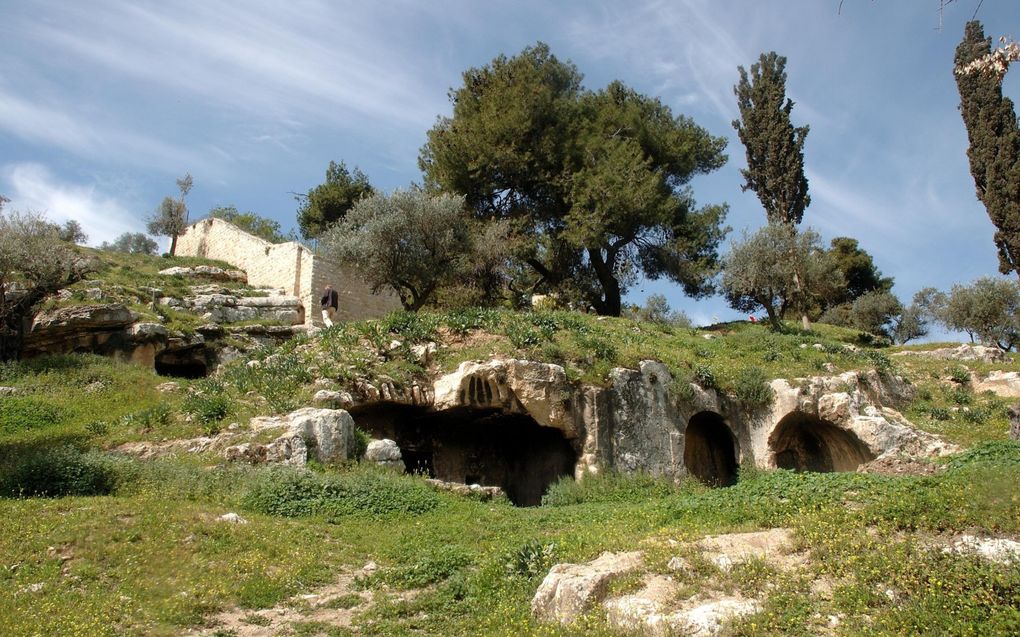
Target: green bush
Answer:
pixel 434 566
pixel 25 413
pixel 608 487
pixel 752 387
pixel 61 471
pixel 361 491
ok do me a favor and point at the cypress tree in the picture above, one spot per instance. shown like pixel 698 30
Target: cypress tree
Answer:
pixel 994 151
pixel 775 147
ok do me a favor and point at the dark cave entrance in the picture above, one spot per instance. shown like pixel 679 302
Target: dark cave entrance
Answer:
pixel 189 363
pixel 805 443
pixel 475 446
pixel 710 450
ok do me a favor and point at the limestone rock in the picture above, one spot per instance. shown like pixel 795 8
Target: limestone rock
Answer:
pixel 1000 383
pixel 325 435
pixel 333 399
pixel 478 491
pixel 206 271
pixel 964 352
pixel 646 430
pixel 385 453
pixel 999 550
pixel 569 590
pixel 97 328
pixel 232 518
pixel 540 390
pixel 8 391
pixel 148 331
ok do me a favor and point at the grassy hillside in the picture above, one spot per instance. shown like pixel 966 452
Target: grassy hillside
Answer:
pixel 94 543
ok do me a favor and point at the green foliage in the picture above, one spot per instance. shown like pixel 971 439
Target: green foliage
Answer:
pixel 59 471
pixel 775 148
pixel 431 568
pixel 608 487
pixel 298 492
pixel 988 309
pixel 251 223
pixel 208 404
pixel 131 243
pixel 597 194
pixel 994 152
pixel 26 413
pixel 329 202
pixel 410 241
pixel 171 217
pixel 778 268
pixel 531 559
pixel 752 387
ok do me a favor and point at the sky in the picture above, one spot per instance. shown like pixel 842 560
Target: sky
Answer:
pixel 103 104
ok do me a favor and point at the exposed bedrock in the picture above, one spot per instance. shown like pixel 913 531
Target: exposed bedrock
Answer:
pixel 642 422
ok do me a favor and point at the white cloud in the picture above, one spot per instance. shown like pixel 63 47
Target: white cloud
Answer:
pixel 103 217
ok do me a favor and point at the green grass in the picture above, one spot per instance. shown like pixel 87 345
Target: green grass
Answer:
pixel 115 546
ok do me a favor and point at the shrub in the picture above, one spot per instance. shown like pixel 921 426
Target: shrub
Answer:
pixel 434 566
pixel 25 413
pixel 752 387
pixel 531 558
pixel 363 491
pixel 61 471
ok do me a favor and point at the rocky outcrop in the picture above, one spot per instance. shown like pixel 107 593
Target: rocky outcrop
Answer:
pixel 570 590
pixel 324 435
pixel 81 328
pixel 207 272
pixel 540 390
pixel 219 305
pixel 964 352
pixel 1000 383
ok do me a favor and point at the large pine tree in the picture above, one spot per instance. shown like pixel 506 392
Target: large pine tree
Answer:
pixel 994 136
pixel 775 147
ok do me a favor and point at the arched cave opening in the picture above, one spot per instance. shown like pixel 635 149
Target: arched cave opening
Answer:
pixel 806 443
pixel 188 363
pixel 475 446
pixel 710 450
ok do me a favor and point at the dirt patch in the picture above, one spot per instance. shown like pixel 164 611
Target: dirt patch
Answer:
pixel 773 546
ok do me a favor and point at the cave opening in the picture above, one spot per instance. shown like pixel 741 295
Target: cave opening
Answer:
pixel 189 364
pixel 475 446
pixel 806 443
pixel 710 450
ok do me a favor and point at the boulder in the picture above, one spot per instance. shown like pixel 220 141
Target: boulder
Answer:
pixel 96 328
pixel 570 590
pixel 333 399
pixel 385 453
pixel 324 435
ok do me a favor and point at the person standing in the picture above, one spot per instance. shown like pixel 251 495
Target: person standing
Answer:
pixel 330 304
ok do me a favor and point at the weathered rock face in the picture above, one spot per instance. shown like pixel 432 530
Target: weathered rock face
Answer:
pixel 208 272
pixel 385 453
pixel 220 306
pixel 833 423
pixel 570 590
pixel 91 328
pixel 1004 384
pixel 514 386
pixel 964 352
pixel 325 435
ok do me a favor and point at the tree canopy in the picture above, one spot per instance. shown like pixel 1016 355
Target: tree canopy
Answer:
pixel 596 181
pixel 252 223
pixel 775 147
pixel 131 243
pixel 410 241
pixel 858 270
pixel 994 135
pixel 171 217
pixel 778 269
pixel 330 201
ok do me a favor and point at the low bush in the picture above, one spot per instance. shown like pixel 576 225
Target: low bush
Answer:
pixel 62 471
pixel 25 413
pixel 361 491
pixel 752 387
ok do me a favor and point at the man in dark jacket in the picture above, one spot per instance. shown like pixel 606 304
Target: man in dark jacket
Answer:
pixel 330 304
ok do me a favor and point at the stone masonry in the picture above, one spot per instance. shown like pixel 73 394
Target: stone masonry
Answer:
pixel 288 266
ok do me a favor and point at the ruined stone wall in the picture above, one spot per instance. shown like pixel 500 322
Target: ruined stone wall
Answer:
pixel 288 266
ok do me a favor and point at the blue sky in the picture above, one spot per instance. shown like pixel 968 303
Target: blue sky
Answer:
pixel 104 104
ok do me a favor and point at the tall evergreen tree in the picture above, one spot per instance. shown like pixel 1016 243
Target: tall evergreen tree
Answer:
pixel 994 136
pixel 775 147
pixel 329 202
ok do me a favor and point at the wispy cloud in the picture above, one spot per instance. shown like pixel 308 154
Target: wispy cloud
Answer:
pixel 33 187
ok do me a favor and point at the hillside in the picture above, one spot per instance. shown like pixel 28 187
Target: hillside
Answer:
pixel 118 489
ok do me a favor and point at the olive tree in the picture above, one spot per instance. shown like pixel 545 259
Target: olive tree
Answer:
pixel 987 310
pixel 778 269
pixel 34 262
pixel 171 217
pixel 410 241
pixel 131 243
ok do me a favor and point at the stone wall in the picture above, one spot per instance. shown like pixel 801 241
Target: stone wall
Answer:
pixel 288 266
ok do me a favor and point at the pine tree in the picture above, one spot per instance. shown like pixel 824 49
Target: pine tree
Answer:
pixel 775 148
pixel 994 136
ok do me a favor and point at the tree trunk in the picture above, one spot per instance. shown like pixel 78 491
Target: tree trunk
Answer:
pixel 804 320
pixel 173 245
pixel 610 303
